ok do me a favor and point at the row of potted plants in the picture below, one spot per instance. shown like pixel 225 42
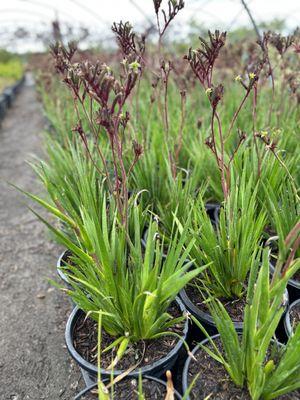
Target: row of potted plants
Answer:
pixel 11 79
pixel 8 95
pixel 168 243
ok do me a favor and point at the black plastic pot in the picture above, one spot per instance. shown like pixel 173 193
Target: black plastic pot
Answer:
pixel 9 96
pixel 17 86
pixel 213 210
pixel 157 369
pixel 207 321
pixel 287 319
pixel 94 386
pixel 2 106
pixel 60 263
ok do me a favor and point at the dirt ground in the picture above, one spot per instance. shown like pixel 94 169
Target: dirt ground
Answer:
pixel 34 363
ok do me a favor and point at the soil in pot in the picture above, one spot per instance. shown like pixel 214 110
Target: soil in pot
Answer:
pixel 85 343
pixel 235 308
pixel 193 301
pixel 295 315
pixel 213 379
pixel 195 304
pixel 292 318
pixel 127 390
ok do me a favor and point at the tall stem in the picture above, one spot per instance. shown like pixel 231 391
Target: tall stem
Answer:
pixel 222 157
pixel 220 160
pixel 237 112
pixel 253 132
pixel 92 127
pixel 251 19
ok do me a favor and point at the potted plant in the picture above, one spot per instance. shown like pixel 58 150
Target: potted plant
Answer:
pixel 136 290
pixel 124 386
pixel 252 364
pixel 70 179
pixel 231 250
pixel 146 388
pixel 283 210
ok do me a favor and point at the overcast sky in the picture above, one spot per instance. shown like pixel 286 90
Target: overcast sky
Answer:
pixel 98 15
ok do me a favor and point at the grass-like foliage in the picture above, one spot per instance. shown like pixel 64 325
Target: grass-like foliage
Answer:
pixel 255 360
pixel 133 288
pixel 71 181
pixel 231 248
pixel 284 213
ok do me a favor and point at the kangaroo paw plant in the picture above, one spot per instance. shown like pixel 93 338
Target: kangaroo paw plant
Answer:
pixel 253 364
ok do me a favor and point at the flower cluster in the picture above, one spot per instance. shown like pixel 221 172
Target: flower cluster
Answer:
pixel 203 59
pixel 281 43
pixel 127 40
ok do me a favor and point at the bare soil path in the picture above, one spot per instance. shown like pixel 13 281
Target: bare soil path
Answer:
pixel 34 363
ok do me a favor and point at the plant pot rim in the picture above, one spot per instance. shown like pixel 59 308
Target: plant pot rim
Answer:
pixel 287 319
pixel 59 270
pixel 211 205
pixel 146 370
pixel 205 316
pixel 202 315
pixel 149 377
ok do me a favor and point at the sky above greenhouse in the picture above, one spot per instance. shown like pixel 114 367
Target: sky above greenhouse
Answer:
pixel 23 22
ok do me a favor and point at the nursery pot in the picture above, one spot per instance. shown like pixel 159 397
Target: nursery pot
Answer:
pixel 82 395
pixel 287 319
pixel 17 86
pixel 60 263
pixel 156 369
pixel 206 319
pixel 213 210
pixel 60 272
pixel 9 96
pixel 2 106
